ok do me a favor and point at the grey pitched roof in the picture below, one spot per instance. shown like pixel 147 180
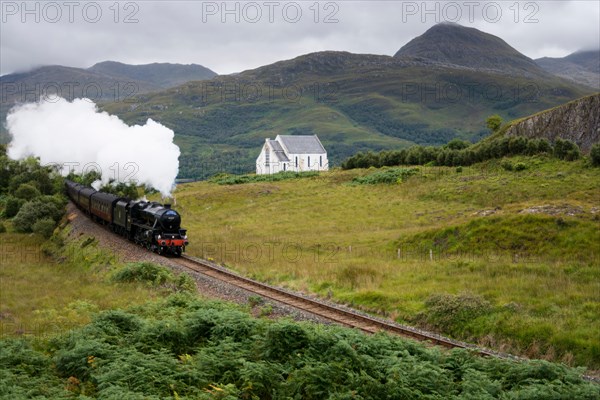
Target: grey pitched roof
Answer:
pixel 302 144
pixel 278 150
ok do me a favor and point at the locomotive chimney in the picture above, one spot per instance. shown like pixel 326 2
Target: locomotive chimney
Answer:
pixel 167 206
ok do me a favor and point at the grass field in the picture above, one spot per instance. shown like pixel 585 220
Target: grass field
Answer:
pixel 41 296
pixel 506 259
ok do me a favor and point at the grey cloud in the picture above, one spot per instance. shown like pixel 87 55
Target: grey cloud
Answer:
pixel 179 32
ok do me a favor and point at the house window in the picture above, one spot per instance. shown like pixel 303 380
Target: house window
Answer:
pixel 308 161
pixel 320 161
pixel 267 157
pixel 284 165
pixel 296 161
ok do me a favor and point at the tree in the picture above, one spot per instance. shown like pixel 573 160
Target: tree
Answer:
pixel 595 155
pixel 415 155
pixel 86 179
pixel 27 192
pixel 517 145
pixel 121 189
pixel 12 206
pixel 457 144
pixel 7 171
pixel 544 146
pixel 494 122
pixel 566 150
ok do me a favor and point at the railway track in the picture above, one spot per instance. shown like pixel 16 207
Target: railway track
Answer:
pixel 332 312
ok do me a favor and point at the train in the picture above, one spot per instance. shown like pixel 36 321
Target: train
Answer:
pixel 153 225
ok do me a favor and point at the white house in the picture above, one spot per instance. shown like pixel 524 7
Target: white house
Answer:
pixel 292 153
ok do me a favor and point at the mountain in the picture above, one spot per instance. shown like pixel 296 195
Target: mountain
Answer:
pixel 582 67
pixel 68 81
pixel 163 75
pixel 353 102
pixel 105 81
pixel 578 121
pixel 453 44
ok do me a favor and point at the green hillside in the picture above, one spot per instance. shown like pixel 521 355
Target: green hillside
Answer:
pixel 505 258
pixel 353 102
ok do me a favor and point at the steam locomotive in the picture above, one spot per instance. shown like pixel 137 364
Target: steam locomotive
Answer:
pixel 153 225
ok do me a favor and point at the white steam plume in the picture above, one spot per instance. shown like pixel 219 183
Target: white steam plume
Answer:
pixel 76 132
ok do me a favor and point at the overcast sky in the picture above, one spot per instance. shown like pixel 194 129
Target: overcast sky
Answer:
pixel 235 36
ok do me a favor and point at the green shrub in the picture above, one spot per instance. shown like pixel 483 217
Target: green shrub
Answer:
pixel 146 272
pixel 255 300
pixel 77 359
pixel 388 176
pixel 595 155
pixel 449 313
pixel 2 227
pixel 520 166
pixel 198 349
pixel 284 339
pixel 12 206
pixel 33 211
pixel 185 283
pixel 456 154
pixel 20 356
pixel 44 227
pixel 494 122
pixel 117 322
pixel 518 145
pixel 200 324
pixel 457 144
pixel 27 192
pixel 566 150
pixel 166 334
pixel 155 275
pixel 507 165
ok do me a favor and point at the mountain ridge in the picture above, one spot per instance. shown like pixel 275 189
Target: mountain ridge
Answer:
pixel 163 75
pixel 103 82
pixel 107 78
pixel 582 67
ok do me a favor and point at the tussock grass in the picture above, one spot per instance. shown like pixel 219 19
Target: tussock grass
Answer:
pixel 47 288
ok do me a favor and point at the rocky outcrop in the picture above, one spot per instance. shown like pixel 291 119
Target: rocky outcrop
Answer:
pixel 578 121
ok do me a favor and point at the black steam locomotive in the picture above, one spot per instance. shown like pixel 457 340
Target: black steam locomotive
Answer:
pixel 152 225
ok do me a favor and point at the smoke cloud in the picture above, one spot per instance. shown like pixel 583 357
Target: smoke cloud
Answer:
pixel 76 134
